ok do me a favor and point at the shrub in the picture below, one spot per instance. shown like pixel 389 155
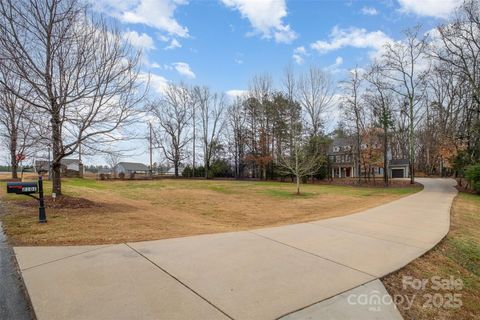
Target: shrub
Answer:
pixel 220 168
pixel 472 174
pixel 199 171
pixel 187 172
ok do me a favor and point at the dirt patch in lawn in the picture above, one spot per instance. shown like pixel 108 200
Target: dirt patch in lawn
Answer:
pixel 65 202
pixel 454 262
pixel 122 211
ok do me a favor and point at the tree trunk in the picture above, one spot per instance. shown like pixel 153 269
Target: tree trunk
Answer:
pixel 385 157
pixel 412 144
pixel 194 144
pixel 237 169
pixel 56 155
pixel 56 178
pixel 207 169
pixel 359 164
pixel 298 185
pixel 13 156
pixel 14 169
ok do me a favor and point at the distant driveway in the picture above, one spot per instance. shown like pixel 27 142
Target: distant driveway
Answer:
pixel 259 274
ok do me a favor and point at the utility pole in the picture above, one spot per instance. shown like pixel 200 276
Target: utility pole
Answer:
pixel 151 148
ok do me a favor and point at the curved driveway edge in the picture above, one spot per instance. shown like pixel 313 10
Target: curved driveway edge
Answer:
pixel 262 274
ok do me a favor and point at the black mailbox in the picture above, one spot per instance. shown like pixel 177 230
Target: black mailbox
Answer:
pixel 22 187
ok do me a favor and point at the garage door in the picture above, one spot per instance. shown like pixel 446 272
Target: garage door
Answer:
pixel 397 173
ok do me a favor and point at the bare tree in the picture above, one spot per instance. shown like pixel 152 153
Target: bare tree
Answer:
pixel 113 158
pixel 290 87
pixel 406 65
pixel 211 108
pixel 260 92
pixel 353 109
pixel 380 100
pixel 315 93
pixel 298 159
pixel 16 127
pixel 459 48
pixel 400 130
pixel 194 106
pixel 173 113
pixel 78 72
pixel 237 134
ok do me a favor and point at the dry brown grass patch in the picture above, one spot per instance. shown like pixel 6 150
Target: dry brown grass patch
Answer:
pixel 124 211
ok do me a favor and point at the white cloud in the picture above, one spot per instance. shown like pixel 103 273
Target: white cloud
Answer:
pixel 238 61
pixel 369 11
pixel 429 8
pixel 352 37
pixel 335 67
pixel 338 62
pixel 141 41
pixel 236 93
pixel 150 64
pixel 298 54
pixel 301 50
pixel 266 18
pixel 298 59
pixel 156 82
pixel 361 71
pixel 158 14
pixel 173 44
pixel 184 69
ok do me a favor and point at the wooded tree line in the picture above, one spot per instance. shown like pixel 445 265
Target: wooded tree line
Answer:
pixel 418 100
pixel 67 79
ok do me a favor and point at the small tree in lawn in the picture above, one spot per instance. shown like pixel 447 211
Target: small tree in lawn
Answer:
pixel 298 159
pixel 113 158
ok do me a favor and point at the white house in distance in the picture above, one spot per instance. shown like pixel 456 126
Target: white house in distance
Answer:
pixel 69 167
pixel 171 171
pixel 130 168
pixel 71 164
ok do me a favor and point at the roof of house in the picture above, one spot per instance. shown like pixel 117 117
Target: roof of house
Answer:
pixel 339 142
pixel 133 166
pixel 42 165
pixel 399 162
pixel 66 161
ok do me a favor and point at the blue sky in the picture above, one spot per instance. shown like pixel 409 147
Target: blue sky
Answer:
pixel 223 43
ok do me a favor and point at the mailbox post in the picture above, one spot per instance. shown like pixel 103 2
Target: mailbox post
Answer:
pixel 28 189
pixel 42 216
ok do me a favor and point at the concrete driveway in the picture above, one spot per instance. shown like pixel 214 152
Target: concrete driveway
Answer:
pixel 261 274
